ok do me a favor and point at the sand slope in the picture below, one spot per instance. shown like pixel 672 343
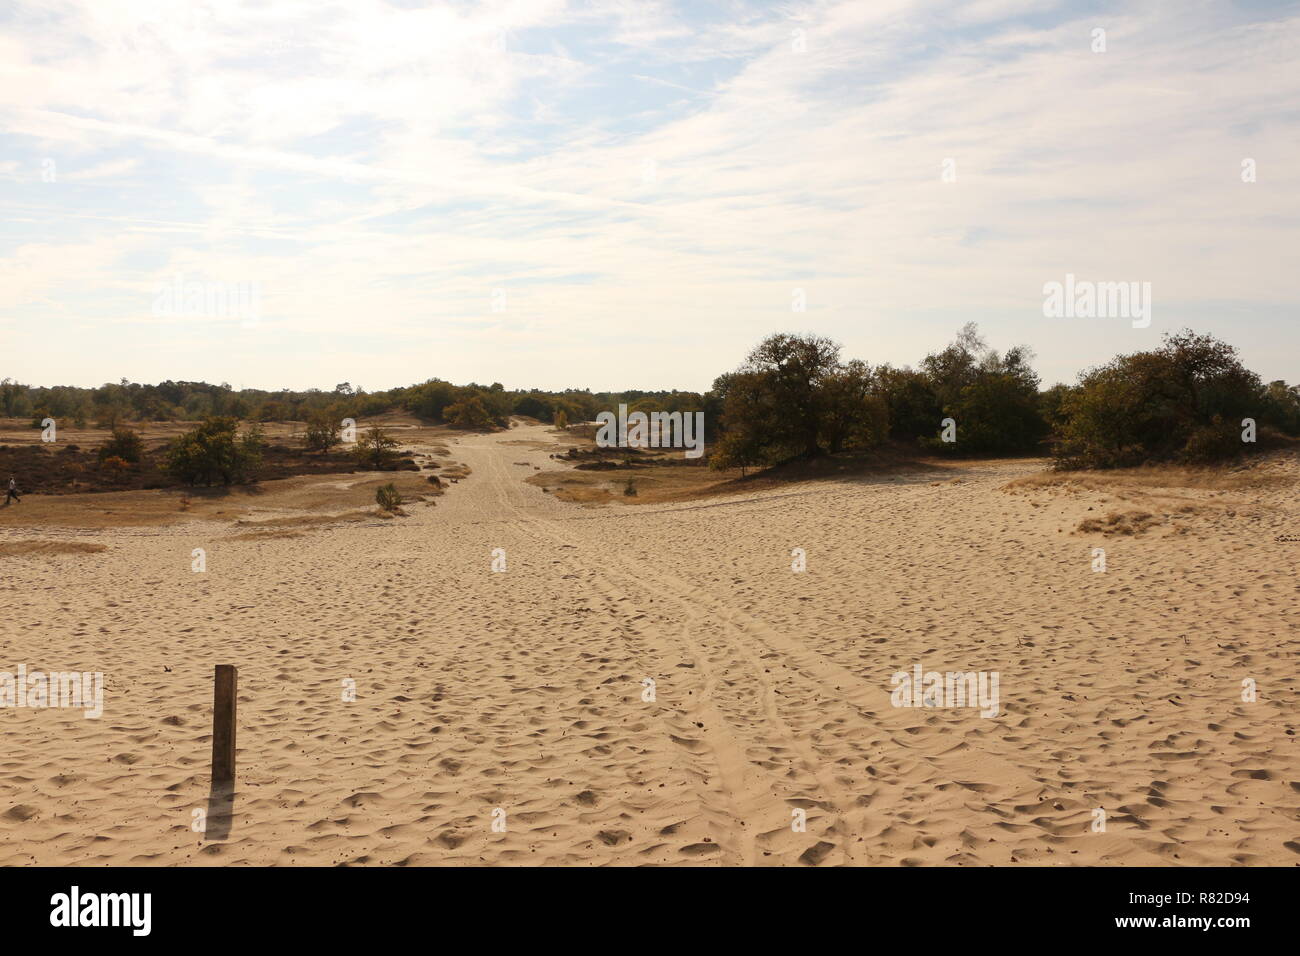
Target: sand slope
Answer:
pixel 523 690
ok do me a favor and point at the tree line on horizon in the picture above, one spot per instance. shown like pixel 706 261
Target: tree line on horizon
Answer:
pixel 793 397
pixel 437 401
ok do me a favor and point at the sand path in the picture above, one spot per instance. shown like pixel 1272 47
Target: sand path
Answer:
pixel 522 692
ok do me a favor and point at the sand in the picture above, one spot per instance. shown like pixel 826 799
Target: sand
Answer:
pixel 517 697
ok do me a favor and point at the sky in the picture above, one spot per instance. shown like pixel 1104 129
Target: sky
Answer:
pixel 618 195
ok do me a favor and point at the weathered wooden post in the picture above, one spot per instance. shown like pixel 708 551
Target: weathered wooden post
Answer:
pixel 224 687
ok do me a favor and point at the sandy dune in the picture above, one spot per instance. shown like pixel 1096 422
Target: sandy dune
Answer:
pixel 523 690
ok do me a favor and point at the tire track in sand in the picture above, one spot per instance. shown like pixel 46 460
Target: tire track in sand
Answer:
pixel 735 696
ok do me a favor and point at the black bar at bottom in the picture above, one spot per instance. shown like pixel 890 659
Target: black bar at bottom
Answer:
pixel 382 907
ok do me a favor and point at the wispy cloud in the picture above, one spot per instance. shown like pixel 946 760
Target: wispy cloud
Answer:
pixel 643 173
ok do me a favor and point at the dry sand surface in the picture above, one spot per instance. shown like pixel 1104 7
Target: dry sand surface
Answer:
pixel 523 690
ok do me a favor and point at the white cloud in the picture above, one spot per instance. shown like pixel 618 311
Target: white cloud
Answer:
pixel 379 167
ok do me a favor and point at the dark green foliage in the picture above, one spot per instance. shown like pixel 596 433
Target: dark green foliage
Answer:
pixel 124 444
pixel 1184 401
pixel 322 432
pixel 388 497
pixel 993 398
pixel 213 454
pixel 1280 407
pixel 793 397
pixel 914 410
pixel 469 412
pixel 852 415
pixel 376 450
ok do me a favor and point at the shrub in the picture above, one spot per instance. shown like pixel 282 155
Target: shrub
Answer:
pixel 375 449
pixel 124 444
pixel 388 497
pixel 629 489
pixel 468 413
pixel 322 434
pixel 430 399
pixel 1051 405
pixel 213 454
pixel 251 445
pixel 1183 402
pixel 996 414
pixel 1281 407
pixel 851 415
pixel 992 397
pixel 1216 441
pixel 113 467
pixel 775 406
pixel 913 410
pixel 109 417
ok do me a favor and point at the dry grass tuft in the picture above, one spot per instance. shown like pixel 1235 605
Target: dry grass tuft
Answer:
pixel 17 549
pixel 1120 522
pixel 307 521
pixel 1254 476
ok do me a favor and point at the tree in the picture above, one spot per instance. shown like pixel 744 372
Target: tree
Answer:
pixel 992 397
pixel 1281 406
pixel 14 402
pixel 534 406
pixel 957 366
pixel 791 398
pixel 213 454
pixel 771 409
pixel 743 442
pixel 429 399
pixel 914 410
pixel 1183 401
pixel 998 414
pixel 469 412
pixel 322 434
pixel 1051 405
pixel 124 444
pixel 851 414
pixel 375 449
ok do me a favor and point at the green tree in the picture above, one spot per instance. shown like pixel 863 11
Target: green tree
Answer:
pixel 773 408
pixel 914 409
pixel 376 449
pixel 1183 401
pixel 322 434
pixel 213 453
pixel 743 441
pixel 430 399
pixel 852 414
pixel 469 412
pixel 992 397
pixel 124 444
pixel 14 401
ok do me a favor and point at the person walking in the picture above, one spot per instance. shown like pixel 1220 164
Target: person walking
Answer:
pixel 13 491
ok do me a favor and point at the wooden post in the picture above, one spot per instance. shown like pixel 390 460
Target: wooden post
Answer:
pixel 224 687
